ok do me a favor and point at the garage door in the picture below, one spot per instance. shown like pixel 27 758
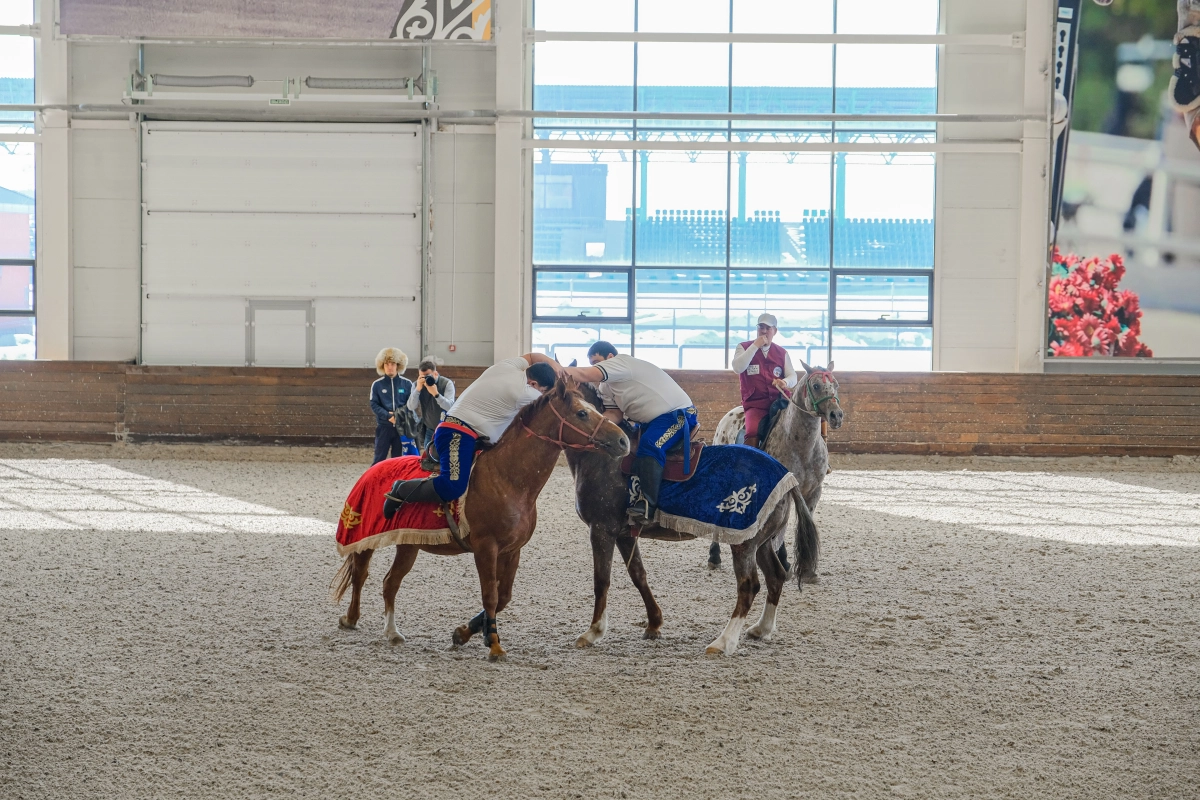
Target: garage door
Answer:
pixel 279 244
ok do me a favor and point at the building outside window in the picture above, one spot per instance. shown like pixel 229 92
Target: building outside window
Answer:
pixel 673 247
pixel 17 184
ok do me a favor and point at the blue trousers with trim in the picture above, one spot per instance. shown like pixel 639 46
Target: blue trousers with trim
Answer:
pixel 665 431
pixel 456 453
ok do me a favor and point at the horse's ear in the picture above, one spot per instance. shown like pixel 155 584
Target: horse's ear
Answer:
pixel 830 367
pixel 807 368
pixel 574 362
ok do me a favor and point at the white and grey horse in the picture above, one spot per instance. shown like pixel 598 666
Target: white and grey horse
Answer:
pixel 795 439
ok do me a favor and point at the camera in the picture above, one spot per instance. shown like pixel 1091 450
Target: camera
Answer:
pixel 430 380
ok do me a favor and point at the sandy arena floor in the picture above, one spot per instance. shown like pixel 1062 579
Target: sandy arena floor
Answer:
pixel 1016 629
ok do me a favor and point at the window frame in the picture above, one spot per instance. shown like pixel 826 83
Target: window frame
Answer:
pixel 617 270
pixel 732 131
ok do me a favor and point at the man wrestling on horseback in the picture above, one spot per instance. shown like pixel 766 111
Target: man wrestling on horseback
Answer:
pixel 485 409
pixel 640 392
pixel 764 370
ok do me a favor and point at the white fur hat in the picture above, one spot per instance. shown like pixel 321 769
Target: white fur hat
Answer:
pixel 391 354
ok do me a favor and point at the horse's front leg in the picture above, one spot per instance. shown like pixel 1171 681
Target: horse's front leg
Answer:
pixel 602 553
pixel 358 564
pixel 632 555
pixel 747 588
pixel 487 565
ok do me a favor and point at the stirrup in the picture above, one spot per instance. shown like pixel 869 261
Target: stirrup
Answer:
pixel 1184 89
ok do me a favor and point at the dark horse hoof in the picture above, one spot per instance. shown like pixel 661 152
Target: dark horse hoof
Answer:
pixel 714 555
pixel 652 633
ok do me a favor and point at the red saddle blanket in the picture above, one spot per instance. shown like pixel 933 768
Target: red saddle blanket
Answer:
pixel 674 469
pixel 363 526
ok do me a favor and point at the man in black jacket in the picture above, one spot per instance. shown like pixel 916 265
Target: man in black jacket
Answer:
pixel 389 401
pixel 432 398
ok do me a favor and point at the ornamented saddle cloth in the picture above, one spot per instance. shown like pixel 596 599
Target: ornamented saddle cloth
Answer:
pixel 363 526
pixel 733 493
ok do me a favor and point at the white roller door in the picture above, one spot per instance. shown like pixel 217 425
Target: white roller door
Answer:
pixel 279 244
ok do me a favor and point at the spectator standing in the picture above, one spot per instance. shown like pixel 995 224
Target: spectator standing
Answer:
pixel 433 397
pixel 389 401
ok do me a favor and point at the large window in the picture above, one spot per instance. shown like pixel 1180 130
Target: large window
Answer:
pixel 17 244
pixel 674 246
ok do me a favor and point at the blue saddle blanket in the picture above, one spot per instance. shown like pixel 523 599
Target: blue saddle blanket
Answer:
pixel 734 490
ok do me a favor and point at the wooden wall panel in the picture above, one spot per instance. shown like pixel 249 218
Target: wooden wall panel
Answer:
pixel 938 413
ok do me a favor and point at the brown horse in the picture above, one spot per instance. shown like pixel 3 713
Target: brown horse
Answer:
pixel 500 506
pixel 601 497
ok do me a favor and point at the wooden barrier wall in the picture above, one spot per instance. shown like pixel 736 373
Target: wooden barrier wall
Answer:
pixel 938 413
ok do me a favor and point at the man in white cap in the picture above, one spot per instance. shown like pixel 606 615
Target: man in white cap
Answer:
pixel 765 370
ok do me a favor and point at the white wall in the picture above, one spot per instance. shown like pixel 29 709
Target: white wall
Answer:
pixel 105 174
pixel 992 217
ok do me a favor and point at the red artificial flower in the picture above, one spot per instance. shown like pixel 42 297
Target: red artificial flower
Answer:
pixel 1089 315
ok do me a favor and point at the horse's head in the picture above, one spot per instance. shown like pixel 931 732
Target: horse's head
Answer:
pixel 581 426
pixel 819 394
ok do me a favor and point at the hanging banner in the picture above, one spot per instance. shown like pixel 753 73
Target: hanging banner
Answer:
pixel 279 19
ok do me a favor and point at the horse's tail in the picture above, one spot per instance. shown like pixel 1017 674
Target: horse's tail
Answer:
pixel 808 540
pixel 341 581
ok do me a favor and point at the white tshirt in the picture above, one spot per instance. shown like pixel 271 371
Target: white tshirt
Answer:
pixel 490 403
pixel 640 389
pixel 742 358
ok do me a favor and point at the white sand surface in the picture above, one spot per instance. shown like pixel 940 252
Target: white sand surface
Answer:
pixel 982 628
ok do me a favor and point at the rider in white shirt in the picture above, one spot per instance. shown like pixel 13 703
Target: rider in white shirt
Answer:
pixel 641 392
pixel 485 408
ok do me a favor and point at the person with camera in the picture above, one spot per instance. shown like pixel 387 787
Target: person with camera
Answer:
pixel 389 401
pixel 431 400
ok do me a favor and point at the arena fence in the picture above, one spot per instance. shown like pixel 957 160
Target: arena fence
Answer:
pixel 908 413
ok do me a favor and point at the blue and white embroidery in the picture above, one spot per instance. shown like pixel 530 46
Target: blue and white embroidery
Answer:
pixel 739 501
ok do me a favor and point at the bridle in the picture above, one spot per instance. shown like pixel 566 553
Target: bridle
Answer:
pixel 816 404
pixel 563 423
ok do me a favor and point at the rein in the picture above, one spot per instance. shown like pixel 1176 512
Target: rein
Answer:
pixel 563 423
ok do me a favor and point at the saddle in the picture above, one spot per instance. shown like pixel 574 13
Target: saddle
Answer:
pixel 674 469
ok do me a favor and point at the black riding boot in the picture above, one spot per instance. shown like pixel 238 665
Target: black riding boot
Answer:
pixel 649 473
pixel 419 490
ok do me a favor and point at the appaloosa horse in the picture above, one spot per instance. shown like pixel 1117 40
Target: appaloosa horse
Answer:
pixel 601 498
pixel 795 439
pixel 500 507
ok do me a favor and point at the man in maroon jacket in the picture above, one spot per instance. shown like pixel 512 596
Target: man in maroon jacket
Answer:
pixel 765 370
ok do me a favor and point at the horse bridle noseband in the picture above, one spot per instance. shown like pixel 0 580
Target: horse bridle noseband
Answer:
pixel 563 423
pixel 816 403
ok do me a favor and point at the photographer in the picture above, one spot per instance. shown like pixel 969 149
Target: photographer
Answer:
pixel 431 401
pixel 389 400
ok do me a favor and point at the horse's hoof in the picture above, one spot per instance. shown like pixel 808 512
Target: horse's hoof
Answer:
pixel 583 641
pixel 754 633
pixel 652 633
pixel 713 650
pixel 713 564
pixel 496 654
pixel 396 637
pixel 461 635
pixel 809 577
pixel 345 624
